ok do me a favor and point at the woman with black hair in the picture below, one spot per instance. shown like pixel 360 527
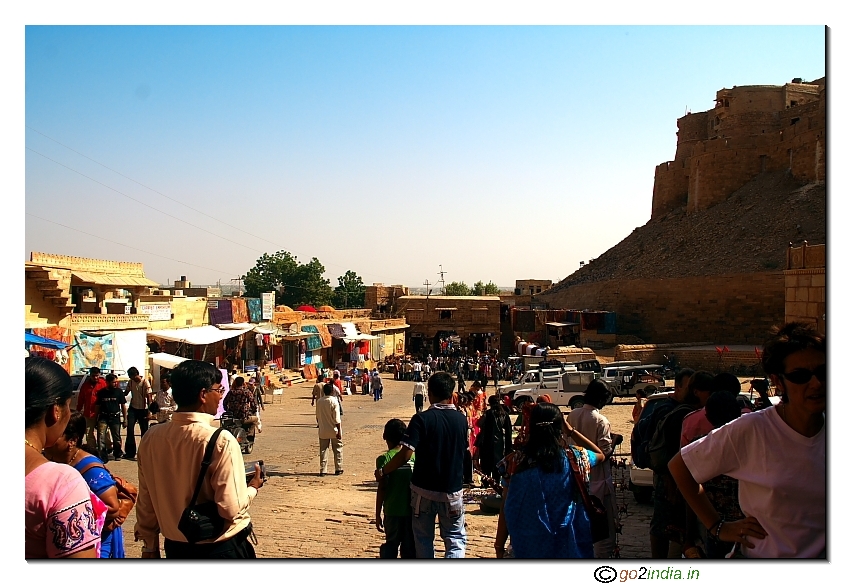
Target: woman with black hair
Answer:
pixel 60 513
pixel 69 450
pixel 494 440
pixel 777 455
pixel 541 511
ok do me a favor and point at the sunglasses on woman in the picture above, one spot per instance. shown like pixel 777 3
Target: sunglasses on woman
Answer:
pixel 800 376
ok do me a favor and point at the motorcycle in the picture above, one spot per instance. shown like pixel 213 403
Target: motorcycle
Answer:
pixel 243 432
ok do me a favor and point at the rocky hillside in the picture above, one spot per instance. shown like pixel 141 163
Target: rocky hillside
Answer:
pixel 747 233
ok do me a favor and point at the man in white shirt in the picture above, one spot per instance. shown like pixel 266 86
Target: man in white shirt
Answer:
pixel 595 426
pixel 141 396
pixel 419 392
pixel 330 430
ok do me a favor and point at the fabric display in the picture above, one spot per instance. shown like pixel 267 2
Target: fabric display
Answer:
pixel 91 350
pixel 255 310
pixel 592 320
pixel 326 337
pixel 336 330
pixel 222 313
pixel 239 310
pixel 313 342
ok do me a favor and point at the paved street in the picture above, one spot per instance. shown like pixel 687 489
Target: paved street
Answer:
pixel 299 514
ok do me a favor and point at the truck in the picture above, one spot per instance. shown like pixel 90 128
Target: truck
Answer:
pixel 625 380
pixel 568 391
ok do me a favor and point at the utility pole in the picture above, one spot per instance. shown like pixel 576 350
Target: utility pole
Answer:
pixel 442 280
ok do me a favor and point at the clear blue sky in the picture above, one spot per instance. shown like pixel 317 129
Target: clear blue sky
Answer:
pixel 502 152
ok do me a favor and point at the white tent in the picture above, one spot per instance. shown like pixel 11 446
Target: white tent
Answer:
pixel 197 335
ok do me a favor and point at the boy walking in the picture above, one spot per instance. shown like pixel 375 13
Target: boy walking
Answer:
pixel 394 497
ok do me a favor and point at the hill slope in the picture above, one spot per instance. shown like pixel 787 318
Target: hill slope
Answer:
pixel 747 233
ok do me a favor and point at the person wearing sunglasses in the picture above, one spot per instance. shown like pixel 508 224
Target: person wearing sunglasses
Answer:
pixel 777 455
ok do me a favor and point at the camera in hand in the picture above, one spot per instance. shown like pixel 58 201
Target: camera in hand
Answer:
pixel 249 470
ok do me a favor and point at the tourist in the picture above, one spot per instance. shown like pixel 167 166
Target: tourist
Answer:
pixel 663 486
pixel 169 464
pixel 111 407
pixel 86 402
pixel 55 495
pixel 540 512
pixel 784 505
pixel 419 392
pixel 165 401
pixel 141 396
pixel 68 449
pixel 330 430
pixel 317 389
pixel 494 439
pixel 393 497
pixel 438 436
pixel 241 404
pixel 377 385
pixel 640 403
pixel 592 424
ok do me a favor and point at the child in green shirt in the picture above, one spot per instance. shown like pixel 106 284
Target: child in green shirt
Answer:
pixel 394 497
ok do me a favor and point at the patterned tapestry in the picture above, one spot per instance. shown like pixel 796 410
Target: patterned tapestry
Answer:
pixel 255 309
pixel 90 350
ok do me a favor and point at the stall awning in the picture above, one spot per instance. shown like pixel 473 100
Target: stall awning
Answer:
pixel 166 360
pixel 120 281
pixel 30 338
pixel 242 326
pixel 197 335
pixel 563 324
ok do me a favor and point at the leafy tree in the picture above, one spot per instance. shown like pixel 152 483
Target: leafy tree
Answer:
pixel 294 282
pixel 482 289
pixel 350 293
pixel 456 288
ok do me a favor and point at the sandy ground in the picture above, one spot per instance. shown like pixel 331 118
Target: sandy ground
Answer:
pixel 299 514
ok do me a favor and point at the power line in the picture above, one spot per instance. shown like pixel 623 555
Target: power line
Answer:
pixel 159 193
pixel 129 246
pixel 217 235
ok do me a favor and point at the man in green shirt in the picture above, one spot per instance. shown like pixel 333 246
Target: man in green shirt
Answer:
pixel 394 497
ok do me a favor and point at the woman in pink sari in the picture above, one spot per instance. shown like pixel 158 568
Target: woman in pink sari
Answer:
pixel 60 513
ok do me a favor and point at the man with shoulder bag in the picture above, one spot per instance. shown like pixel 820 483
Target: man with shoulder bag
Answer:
pixel 192 483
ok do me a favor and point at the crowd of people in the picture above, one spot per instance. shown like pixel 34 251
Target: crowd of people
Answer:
pixel 723 485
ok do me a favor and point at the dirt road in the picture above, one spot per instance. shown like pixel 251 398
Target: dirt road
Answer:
pixel 299 514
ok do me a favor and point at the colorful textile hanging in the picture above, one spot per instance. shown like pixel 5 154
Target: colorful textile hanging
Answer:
pixel 255 310
pixel 91 350
pixel 239 310
pixel 220 312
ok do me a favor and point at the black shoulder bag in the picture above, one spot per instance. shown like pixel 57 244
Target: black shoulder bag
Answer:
pixel 202 521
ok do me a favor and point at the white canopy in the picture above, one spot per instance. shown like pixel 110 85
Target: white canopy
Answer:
pixel 166 360
pixel 197 335
pixel 352 335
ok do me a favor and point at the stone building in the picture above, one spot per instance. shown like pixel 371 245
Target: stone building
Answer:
pixel 805 285
pixel 752 129
pixel 474 320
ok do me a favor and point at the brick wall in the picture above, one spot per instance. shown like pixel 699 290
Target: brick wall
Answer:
pixel 728 309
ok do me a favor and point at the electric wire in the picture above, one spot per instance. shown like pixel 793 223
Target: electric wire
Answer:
pixel 129 246
pixel 217 235
pixel 157 192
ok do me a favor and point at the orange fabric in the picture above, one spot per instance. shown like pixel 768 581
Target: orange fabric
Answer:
pixel 239 308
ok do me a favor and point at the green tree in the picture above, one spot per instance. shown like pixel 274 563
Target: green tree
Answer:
pixel 457 288
pixel 482 289
pixel 350 293
pixel 294 282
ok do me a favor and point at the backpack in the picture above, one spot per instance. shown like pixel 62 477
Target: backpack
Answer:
pixel 665 442
pixel 643 431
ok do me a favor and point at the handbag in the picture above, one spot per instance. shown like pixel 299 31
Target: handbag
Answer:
pixel 202 521
pixel 127 495
pixel 595 509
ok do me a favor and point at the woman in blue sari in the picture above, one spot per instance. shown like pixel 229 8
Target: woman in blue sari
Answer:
pixel 67 450
pixel 542 510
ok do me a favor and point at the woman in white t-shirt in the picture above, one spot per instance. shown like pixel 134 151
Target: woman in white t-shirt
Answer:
pixel 777 455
